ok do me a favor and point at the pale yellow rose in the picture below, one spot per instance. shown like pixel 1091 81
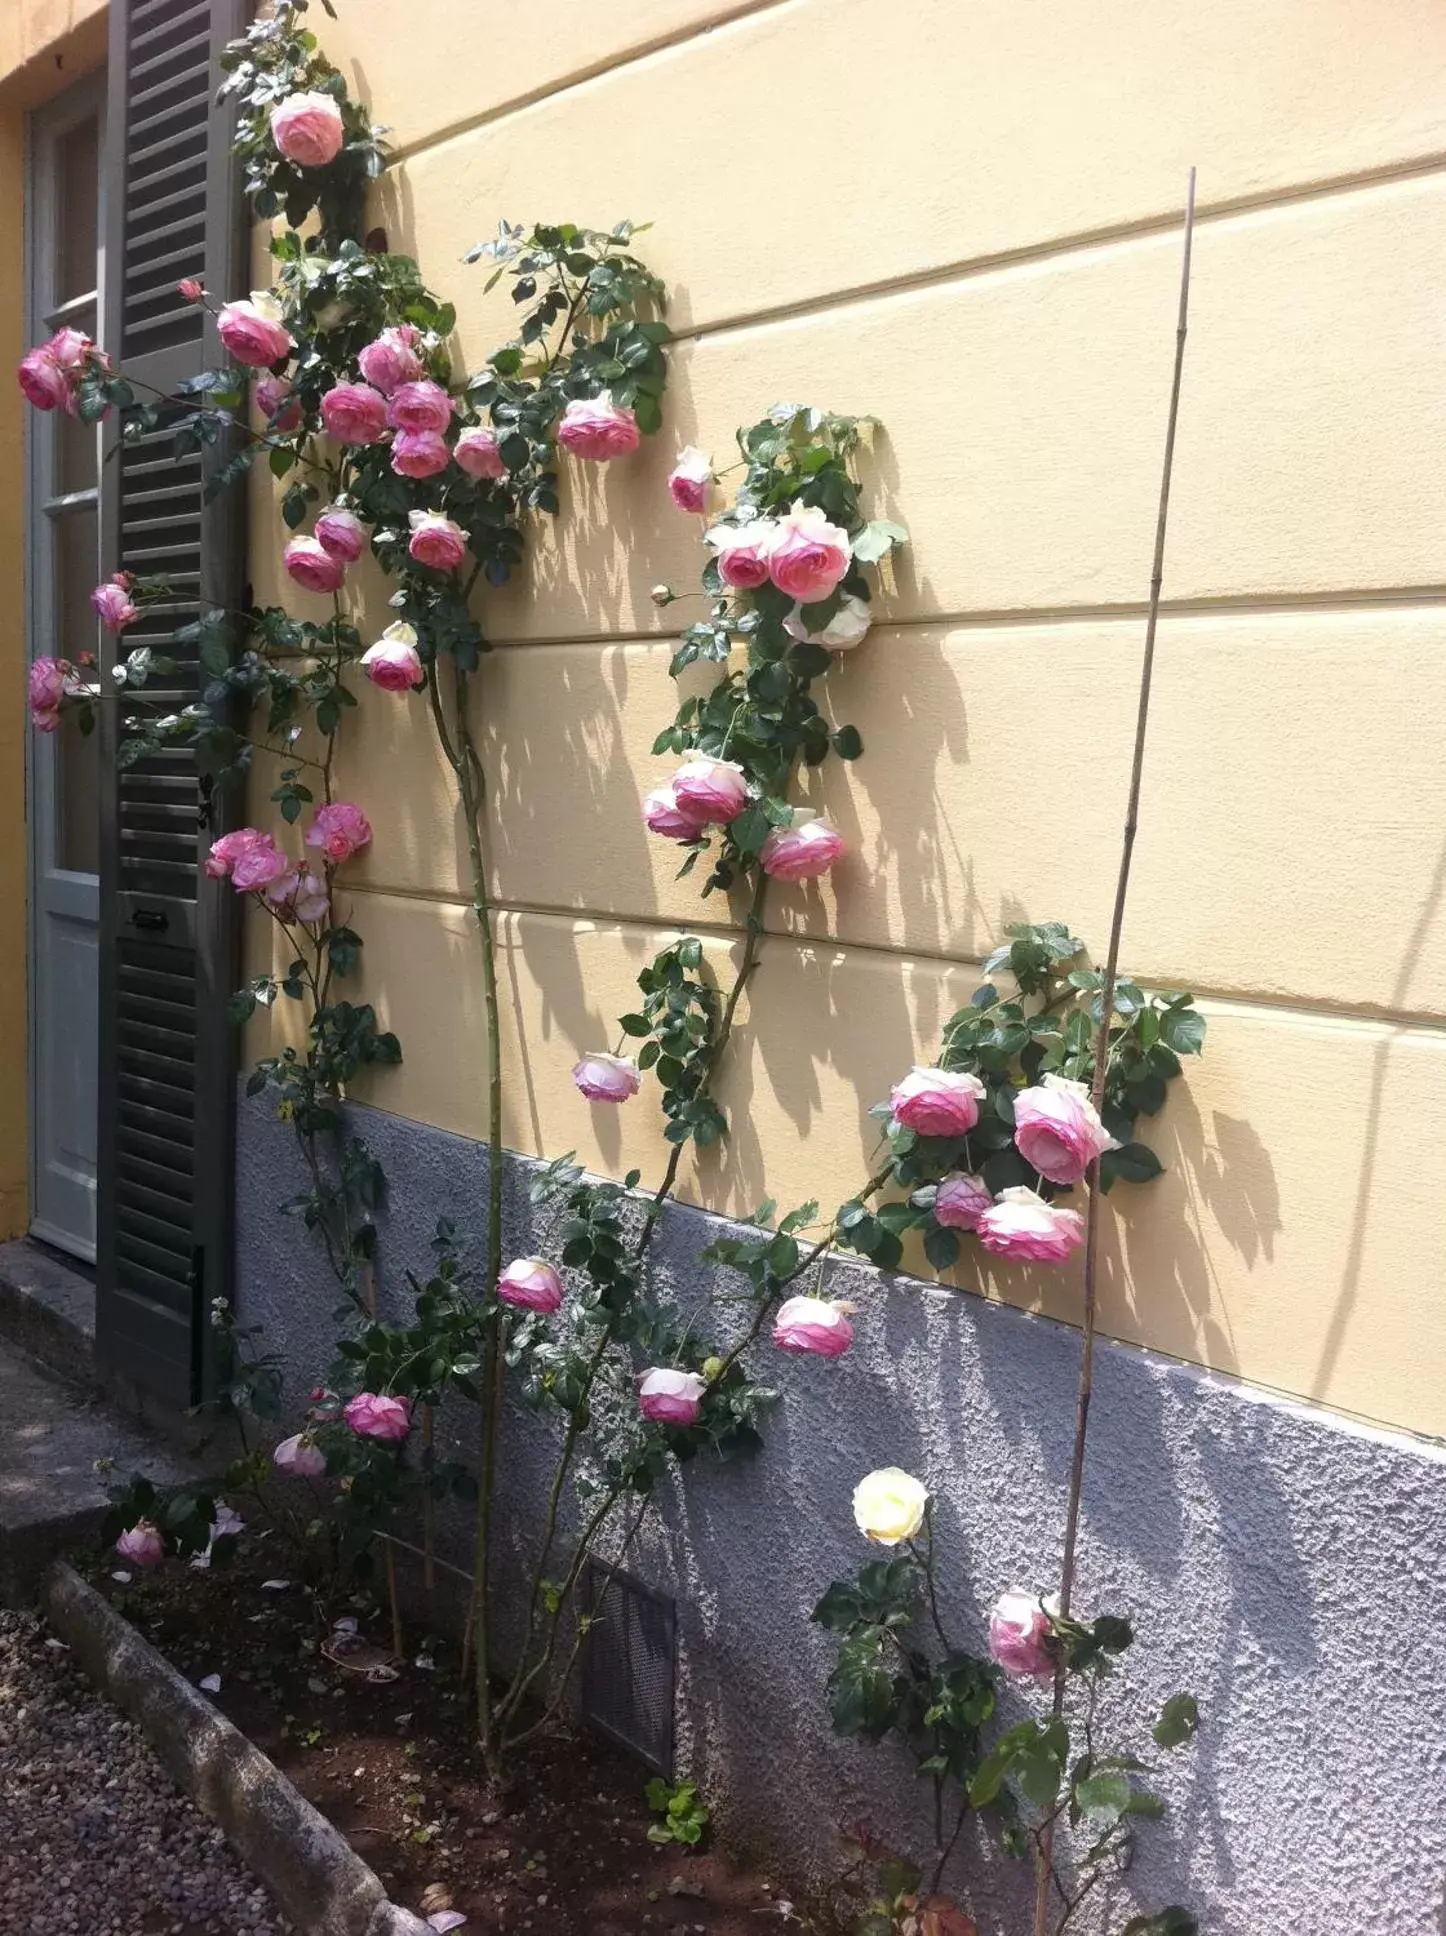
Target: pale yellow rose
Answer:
pixel 889 1505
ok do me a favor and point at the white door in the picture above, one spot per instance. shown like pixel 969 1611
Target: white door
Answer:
pixel 64 251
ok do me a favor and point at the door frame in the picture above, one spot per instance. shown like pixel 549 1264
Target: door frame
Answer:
pixel 46 128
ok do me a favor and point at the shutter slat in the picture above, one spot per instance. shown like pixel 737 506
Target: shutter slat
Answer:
pixel 167 932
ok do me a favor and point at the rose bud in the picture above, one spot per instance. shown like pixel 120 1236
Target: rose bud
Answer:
pixel 661 595
pixel 663 815
pixel 300 1456
pixel 354 413
pixel 1020 1635
pixel 743 552
pixel 419 453
pixel 253 331
pixel 1057 1129
pixel 142 1544
pixel 312 566
pixel 807 847
pixel 341 533
pixel 689 480
pixel 711 790
pixel 960 1201
pixel 607 1078
pixel 809 555
pixel 597 429
pixel 670 1397
pixel 847 628
pixel 308 129
pixel 190 290
pixel 532 1284
pixel 477 453
pixel 436 540
pixel 113 603
pixel 1022 1228
pixel 280 408
pixel 812 1324
pixel 938 1102
pixel 391 359
pixel 394 663
pixel 889 1506
pixel 340 830
pixel 420 406
pixel 374 1415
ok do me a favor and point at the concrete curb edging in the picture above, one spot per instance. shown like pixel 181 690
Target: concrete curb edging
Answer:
pixel 318 1879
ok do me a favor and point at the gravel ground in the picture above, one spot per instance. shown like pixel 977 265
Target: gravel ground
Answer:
pixel 94 1839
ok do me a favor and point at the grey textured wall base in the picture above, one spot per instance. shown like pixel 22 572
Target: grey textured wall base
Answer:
pixel 319 1880
pixel 1284 1565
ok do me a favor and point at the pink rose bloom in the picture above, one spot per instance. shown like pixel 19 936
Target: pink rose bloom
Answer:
pixel 299 895
pixel 937 1102
pixel 670 1397
pixel 807 847
pixel 308 129
pixel 48 682
pixel 809 554
pixel 711 790
pixel 341 534
pixel 394 662
pixel 373 1415
pixel 258 864
pixel 189 289
pixel 960 1201
pixel 419 453
pixel 436 541
pixel 1057 1130
pixel 532 1285
pixel 477 452
pixel 312 566
pixel 662 815
pixel 300 1456
pixel 70 349
pixel 226 851
pixel 391 359
pixel 1020 1632
pixel 742 551
pixel 113 604
pixel 354 413
pixel 1024 1229
pixel 597 428
pixel 420 406
pixel 274 400
pixel 607 1078
pixel 142 1544
pixel 254 333
pixel 42 380
pixel 689 480
pixel 340 830
pixel 812 1324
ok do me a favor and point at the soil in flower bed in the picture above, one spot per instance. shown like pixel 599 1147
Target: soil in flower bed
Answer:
pixel 565 1850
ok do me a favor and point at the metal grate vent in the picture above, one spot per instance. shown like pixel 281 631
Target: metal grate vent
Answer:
pixel 629 1663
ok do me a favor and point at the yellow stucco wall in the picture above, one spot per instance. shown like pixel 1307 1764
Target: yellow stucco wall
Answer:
pixel 44 46
pixel 964 220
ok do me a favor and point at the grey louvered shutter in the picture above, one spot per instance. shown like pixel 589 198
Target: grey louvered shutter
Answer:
pixel 168 939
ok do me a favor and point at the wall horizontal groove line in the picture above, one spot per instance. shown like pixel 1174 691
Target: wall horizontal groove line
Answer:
pixel 729 931
pixel 991 790
pixel 697 18
pixel 1272 1255
pixel 1032 487
pixel 1119 107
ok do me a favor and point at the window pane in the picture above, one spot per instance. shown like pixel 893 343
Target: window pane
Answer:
pixel 75 442
pixel 78 172
pixel 77 774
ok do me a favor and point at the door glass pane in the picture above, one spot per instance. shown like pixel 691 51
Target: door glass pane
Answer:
pixel 78 185
pixel 77 790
